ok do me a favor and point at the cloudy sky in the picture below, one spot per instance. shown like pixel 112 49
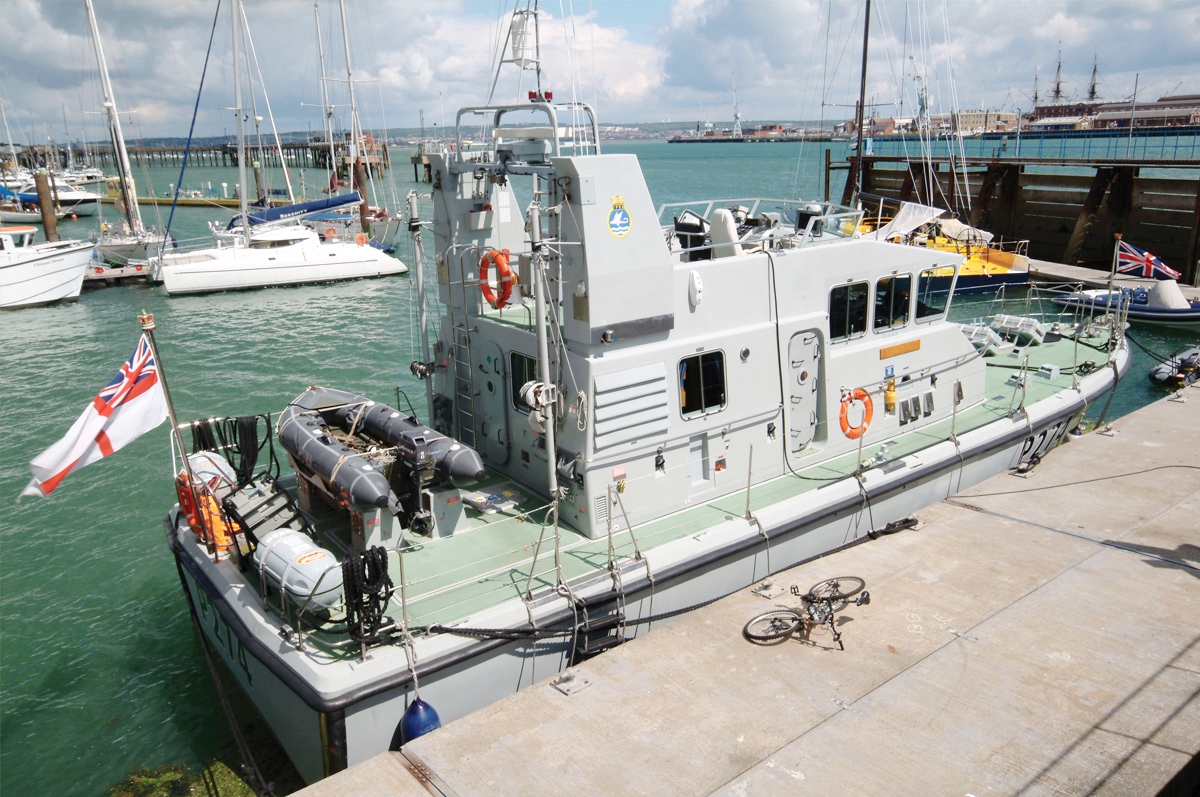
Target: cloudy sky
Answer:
pixel 635 60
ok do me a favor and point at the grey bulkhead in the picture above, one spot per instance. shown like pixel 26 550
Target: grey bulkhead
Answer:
pixel 629 322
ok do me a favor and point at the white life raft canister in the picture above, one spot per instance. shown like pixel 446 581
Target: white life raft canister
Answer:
pixel 294 564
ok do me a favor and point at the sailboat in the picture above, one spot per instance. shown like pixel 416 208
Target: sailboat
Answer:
pixel 273 254
pixel 129 240
pixel 630 412
pixel 376 221
pixel 16 208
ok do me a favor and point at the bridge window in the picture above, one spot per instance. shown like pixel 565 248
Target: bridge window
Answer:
pixel 702 384
pixel 933 292
pixel 848 310
pixel 891 302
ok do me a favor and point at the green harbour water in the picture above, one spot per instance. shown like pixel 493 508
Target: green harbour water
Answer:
pixel 100 669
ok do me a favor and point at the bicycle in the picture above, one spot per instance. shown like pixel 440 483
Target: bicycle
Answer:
pixel 817 608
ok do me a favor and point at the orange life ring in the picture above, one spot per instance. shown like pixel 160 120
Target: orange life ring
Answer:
pixel 857 394
pixel 505 278
pixel 330 234
pixel 361 239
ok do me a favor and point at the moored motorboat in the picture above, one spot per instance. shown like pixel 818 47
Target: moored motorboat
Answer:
pixel 1180 370
pixel 73 201
pixel 39 273
pixel 1163 303
pixel 665 411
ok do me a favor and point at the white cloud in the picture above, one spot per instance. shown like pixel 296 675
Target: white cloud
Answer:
pixel 634 61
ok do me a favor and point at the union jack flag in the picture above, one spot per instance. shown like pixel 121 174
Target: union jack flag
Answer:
pixel 130 405
pixel 1131 260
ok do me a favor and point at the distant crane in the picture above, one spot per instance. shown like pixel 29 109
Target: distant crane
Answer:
pixel 737 114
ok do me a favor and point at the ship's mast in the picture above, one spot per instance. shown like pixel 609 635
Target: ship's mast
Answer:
pixel 1057 94
pixel 133 214
pixel 523 43
pixel 1093 94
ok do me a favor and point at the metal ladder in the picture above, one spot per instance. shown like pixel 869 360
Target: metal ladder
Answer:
pixel 597 630
pixel 460 356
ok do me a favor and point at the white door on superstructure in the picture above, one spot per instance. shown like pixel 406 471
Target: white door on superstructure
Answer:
pixel 804 366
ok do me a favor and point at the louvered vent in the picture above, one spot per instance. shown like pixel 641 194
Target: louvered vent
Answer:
pixel 631 405
pixel 601 514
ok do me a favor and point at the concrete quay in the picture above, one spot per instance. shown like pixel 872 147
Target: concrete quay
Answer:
pixel 1036 634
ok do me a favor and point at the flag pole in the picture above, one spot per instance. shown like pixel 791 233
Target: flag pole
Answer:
pixel 1112 274
pixel 148 327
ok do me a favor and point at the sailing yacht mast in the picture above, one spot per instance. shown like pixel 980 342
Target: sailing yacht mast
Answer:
pixel 355 130
pixel 236 18
pixel 133 213
pixel 328 109
pixel 67 132
pixel 8 136
pixel 862 98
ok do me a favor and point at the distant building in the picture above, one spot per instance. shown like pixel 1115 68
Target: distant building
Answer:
pixel 972 122
pixel 1178 111
pixel 1174 111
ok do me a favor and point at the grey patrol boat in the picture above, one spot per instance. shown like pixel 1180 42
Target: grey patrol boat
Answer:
pixel 631 411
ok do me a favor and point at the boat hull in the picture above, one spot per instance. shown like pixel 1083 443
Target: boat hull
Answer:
pixel 1188 318
pixel 979 283
pixel 25 217
pixel 55 274
pixel 326 722
pixel 230 269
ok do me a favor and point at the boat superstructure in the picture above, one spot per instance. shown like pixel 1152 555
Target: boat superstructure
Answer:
pixel 626 418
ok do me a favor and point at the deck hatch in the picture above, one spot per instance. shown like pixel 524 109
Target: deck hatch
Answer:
pixel 631 404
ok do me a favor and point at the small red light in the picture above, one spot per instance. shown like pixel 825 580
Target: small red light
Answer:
pixel 549 95
pixel 532 96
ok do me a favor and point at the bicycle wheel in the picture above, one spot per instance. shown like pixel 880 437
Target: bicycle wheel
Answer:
pixel 837 589
pixel 773 626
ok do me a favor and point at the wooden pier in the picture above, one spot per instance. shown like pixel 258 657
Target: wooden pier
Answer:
pixel 297 154
pixel 1067 218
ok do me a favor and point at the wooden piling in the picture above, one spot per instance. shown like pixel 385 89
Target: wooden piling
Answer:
pixel 46 204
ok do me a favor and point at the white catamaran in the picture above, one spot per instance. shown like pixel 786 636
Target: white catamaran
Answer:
pixel 630 412
pixel 270 255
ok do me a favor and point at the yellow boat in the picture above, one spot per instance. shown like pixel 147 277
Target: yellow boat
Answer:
pixel 987 263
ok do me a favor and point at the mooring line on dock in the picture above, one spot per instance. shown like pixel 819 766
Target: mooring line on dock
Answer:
pixel 1114 544
pixel 1066 484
